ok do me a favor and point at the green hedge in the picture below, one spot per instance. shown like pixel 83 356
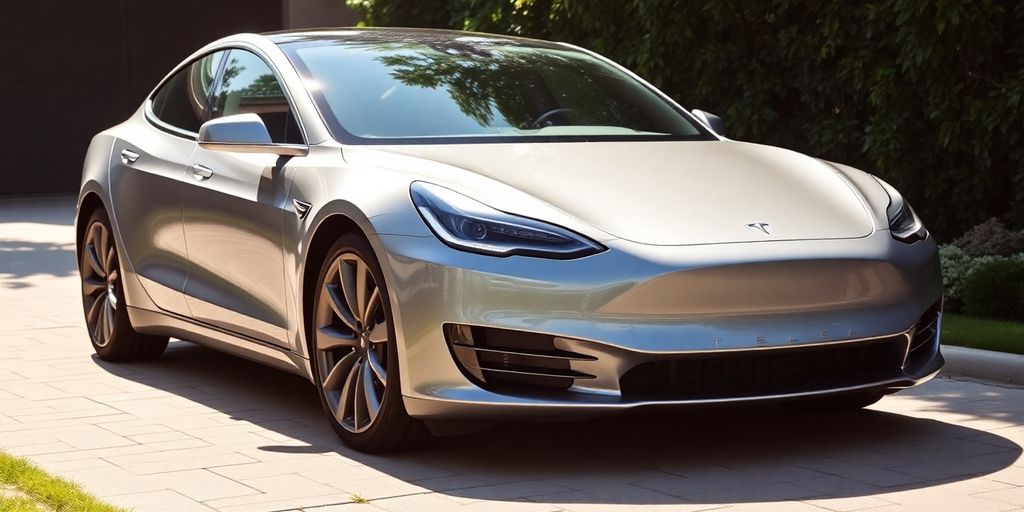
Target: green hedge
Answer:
pixel 925 93
pixel 995 289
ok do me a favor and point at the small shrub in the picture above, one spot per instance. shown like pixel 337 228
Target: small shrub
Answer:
pixel 956 264
pixel 995 289
pixel 991 238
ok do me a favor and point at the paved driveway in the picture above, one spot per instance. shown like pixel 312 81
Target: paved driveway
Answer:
pixel 198 430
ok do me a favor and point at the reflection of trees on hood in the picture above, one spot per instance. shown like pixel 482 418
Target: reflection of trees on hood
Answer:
pixel 483 82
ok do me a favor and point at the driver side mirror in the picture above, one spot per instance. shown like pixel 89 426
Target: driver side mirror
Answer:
pixel 714 122
pixel 244 133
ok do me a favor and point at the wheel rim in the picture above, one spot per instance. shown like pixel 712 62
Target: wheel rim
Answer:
pixel 100 282
pixel 352 330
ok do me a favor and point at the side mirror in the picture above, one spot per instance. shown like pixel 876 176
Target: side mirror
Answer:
pixel 714 122
pixel 243 133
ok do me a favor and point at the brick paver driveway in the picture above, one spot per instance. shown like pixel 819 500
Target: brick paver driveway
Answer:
pixel 198 430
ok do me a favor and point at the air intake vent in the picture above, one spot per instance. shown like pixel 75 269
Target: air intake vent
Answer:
pixel 506 360
pixel 925 338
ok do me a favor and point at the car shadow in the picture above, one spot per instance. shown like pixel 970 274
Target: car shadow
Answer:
pixel 711 456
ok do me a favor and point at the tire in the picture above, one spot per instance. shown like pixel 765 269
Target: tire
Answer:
pixel 106 315
pixel 837 403
pixel 353 353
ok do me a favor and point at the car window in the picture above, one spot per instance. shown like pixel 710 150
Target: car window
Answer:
pixel 472 89
pixel 249 85
pixel 182 100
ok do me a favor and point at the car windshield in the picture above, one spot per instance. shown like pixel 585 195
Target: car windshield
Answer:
pixel 371 86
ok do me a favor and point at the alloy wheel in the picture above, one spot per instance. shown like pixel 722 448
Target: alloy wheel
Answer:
pixel 100 282
pixel 352 330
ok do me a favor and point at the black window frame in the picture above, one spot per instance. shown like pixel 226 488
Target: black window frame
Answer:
pixel 151 116
pixel 181 68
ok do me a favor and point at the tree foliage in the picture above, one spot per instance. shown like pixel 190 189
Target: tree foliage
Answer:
pixel 924 93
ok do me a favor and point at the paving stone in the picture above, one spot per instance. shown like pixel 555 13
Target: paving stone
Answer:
pixel 158 501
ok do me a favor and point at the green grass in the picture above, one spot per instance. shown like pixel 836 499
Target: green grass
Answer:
pixel 985 334
pixel 34 490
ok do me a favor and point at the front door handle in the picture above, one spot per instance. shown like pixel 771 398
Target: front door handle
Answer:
pixel 128 156
pixel 201 172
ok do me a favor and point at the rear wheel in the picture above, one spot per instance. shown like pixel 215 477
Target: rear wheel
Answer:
pixel 106 318
pixel 354 355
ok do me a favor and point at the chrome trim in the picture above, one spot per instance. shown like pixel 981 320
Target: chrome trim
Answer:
pixel 574 357
pixel 568 374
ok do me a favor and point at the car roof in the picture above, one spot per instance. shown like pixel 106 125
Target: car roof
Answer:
pixel 383 36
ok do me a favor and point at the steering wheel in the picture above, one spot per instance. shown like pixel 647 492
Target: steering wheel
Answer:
pixel 538 123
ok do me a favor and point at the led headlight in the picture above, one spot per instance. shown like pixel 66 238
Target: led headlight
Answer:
pixel 904 225
pixel 469 225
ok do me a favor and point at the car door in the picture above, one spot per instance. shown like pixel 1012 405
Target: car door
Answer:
pixel 233 210
pixel 146 181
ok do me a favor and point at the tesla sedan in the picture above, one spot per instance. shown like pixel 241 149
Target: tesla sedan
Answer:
pixel 442 229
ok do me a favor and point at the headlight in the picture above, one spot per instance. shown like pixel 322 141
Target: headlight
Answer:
pixel 904 224
pixel 469 225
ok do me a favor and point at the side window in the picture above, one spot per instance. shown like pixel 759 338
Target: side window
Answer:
pixel 249 85
pixel 182 101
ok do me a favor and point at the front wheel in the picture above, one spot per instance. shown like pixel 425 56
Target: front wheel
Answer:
pixel 354 355
pixel 106 317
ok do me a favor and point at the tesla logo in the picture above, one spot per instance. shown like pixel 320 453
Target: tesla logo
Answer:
pixel 760 226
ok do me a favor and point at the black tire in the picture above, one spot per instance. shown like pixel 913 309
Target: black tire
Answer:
pixel 391 429
pixel 836 403
pixel 110 330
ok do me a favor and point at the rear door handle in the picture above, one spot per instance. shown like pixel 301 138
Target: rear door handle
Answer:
pixel 128 156
pixel 201 172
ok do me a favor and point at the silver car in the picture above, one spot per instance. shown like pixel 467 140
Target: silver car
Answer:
pixel 443 229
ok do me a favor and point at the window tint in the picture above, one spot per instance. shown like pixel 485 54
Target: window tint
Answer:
pixel 182 100
pixel 250 86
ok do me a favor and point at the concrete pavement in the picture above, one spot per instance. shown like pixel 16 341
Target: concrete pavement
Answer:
pixel 199 430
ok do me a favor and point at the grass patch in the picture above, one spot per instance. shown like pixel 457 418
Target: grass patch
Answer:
pixel 355 498
pixel 29 488
pixel 985 334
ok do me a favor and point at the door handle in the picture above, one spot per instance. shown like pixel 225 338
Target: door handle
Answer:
pixel 128 156
pixel 201 172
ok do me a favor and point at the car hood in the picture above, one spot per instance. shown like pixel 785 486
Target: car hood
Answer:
pixel 673 193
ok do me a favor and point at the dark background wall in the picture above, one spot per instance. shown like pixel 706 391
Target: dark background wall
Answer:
pixel 71 69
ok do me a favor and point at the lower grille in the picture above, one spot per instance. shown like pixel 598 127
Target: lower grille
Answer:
pixel 765 372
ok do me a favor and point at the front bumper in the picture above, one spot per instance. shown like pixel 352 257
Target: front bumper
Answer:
pixel 665 307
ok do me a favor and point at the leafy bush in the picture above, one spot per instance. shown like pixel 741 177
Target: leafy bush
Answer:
pixel 925 94
pixel 991 238
pixel 956 264
pixel 958 268
pixel 995 289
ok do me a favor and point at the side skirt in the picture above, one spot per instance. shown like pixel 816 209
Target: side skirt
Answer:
pixel 168 324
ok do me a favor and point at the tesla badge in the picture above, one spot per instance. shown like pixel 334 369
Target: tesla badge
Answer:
pixel 760 226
